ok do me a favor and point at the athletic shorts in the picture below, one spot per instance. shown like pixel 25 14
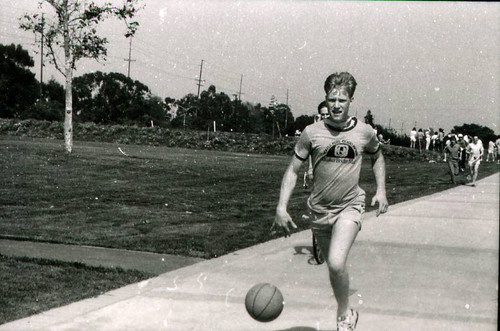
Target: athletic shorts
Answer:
pixel 322 224
pixel 473 162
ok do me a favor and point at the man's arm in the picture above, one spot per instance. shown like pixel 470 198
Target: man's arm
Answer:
pixel 378 167
pixel 282 217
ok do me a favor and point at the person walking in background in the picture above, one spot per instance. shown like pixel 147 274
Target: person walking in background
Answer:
pixel 427 139
pixel 413 137
pixel 321 115
pixel 440 140
pixel 434 143
pixel 491 152
pixel 382 140
pixel 336 202
pixel 420 140
pixel 475 150
pixel 452 153
pixel 447 141
pixel 463 152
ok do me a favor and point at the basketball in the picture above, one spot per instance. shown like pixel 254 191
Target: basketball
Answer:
pixel 264 302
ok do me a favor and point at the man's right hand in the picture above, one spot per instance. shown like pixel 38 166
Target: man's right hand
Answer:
pixel 282 220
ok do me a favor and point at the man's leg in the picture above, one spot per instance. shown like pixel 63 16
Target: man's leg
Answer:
pixel 475 169
pixel 452 170
pixel 337 248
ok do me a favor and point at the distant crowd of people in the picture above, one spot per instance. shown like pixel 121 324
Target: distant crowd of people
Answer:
pixel 462 152
pixel 427 139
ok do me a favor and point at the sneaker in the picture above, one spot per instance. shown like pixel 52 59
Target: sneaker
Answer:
pixel 348 322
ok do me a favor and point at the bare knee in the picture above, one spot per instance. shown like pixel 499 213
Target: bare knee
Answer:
pixel 336 267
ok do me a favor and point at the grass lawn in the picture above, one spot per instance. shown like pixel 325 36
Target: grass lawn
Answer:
pixel 43 284
pixel 166 200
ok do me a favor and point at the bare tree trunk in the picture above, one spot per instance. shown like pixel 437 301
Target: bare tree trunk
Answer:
pixel 68 72
pixel 68 113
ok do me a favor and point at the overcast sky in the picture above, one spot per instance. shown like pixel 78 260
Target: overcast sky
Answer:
pixel 428 64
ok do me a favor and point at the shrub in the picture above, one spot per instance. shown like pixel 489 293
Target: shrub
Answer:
pixel 222 141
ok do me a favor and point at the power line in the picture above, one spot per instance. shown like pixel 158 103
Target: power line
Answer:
pixel 167 72
pixel 259 89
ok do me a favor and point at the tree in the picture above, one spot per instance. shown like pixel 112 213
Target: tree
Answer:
pixel 184 111
pixel 256 118
pixel 51 107
pixel 369 118
pixel 74 30
pixel 53 91
pixel 17 83
pixel 284 119
pixel 113 98
pixel 482 132
pixel 302 121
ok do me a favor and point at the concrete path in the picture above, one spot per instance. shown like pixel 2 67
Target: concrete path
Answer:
pixel 429 264
pixel 153 263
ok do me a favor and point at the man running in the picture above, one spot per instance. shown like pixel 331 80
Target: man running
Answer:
pixel 452 154
pixel 336 202
pixel 475 150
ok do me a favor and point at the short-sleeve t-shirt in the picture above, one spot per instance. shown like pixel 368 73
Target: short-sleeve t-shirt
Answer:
pixel 475 150
pixel 413 135
pixel 454 151
pixel 336 158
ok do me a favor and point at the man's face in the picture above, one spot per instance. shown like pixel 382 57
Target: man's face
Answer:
pixel 323 112
pixel 338 104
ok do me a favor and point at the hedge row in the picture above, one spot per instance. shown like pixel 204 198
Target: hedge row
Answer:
pixel 223 141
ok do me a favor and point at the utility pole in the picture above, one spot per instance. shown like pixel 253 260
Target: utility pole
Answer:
pixel 129 57
pixel 241 82
pixel 41 59
pixel 199 79
pixel 286 111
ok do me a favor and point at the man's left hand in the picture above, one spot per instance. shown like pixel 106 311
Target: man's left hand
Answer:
pixel 383 205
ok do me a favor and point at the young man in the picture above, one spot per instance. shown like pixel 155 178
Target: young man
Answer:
pixel 491 151
pixel 336 202
pixel 452 153
pixel 475 150
pixel 463 152
pixel 321 115
pixel 322 112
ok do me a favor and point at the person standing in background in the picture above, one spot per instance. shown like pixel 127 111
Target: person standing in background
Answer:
pixel 413 137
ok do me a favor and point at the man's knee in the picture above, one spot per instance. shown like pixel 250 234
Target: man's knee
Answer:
pixel 336 266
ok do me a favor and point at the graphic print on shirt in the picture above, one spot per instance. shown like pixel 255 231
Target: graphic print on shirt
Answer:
pixel 342 151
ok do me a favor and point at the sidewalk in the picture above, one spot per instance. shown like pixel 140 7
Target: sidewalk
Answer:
pixel 152 263
pixel 429 264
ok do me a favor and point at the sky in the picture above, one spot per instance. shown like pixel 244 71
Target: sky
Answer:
pixel 422 64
